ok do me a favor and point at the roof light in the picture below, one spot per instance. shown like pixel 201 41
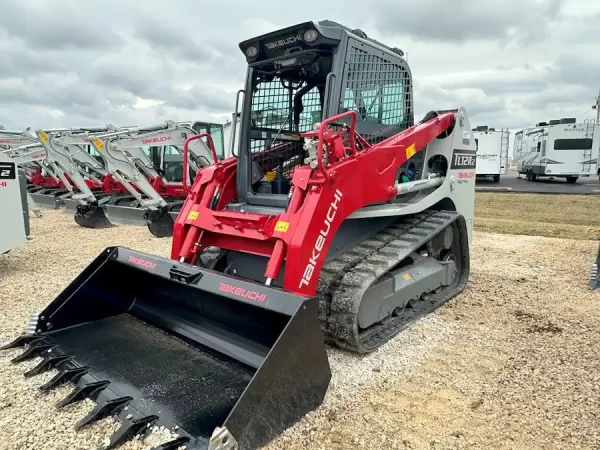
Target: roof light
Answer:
pixel 251 51
pixel 310 35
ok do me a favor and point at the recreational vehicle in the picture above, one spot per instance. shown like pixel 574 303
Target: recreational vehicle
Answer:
pixel 559 148
pixel 492 152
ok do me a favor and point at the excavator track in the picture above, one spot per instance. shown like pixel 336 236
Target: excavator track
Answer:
pixel 344 281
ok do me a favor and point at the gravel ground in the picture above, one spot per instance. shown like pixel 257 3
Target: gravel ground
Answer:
pixel 511 363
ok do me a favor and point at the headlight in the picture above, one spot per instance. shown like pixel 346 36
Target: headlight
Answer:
pixel 310 35
pixel 251 51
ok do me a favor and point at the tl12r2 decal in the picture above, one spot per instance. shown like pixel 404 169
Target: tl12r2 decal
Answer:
pixel 463 159
pixel 8 171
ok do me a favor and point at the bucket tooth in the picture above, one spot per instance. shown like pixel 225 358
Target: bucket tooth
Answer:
pixel 19 341
pixel 129 430
pixel 64 376
pixel 172 445
pixel 81 392
pixel 47 364
pixel 104 410
pixel 35 348
pixel 222 439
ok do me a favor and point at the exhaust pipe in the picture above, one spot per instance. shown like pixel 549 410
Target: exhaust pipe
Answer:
pixel 216 358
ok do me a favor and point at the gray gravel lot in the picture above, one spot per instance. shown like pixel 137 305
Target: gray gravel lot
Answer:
pixel 511 363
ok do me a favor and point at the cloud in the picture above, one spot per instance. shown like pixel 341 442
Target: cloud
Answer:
pixel 463 20
pixel 56 24
pixel 510 63
pixel 170 40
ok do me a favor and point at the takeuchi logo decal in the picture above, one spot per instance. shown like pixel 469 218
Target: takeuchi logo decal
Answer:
pixel 142 262
pixel 155 140
pixel 241 292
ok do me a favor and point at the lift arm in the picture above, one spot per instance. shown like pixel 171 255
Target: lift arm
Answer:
pixel 360 176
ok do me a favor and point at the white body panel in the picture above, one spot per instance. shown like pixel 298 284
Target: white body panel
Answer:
pixel 560 150
pixel 227 133
pixel 492 152
pixel 13 224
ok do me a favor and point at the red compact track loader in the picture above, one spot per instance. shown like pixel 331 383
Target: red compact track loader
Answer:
pixel 338 220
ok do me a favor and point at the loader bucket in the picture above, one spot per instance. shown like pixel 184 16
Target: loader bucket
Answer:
pixel 91 216
pixel 186 348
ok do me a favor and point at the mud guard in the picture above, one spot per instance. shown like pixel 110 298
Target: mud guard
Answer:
pixel 182 347
pixel 91 216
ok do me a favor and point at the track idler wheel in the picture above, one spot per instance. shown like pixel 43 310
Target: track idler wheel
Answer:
pixel 160 223
pixel 92 216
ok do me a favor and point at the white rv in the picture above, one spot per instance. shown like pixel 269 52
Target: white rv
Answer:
pixel 561 149
pixel 492 152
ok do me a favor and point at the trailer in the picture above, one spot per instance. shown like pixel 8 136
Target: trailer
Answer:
pixel 558 148
pixel 492 152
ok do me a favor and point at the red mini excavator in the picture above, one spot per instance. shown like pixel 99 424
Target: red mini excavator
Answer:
pixel 338 220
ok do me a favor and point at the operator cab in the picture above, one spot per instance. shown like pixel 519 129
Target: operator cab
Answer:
pixel 297 77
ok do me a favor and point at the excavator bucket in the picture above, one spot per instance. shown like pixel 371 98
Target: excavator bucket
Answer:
pixel 162 226
pixel 160 222
pixel 228 364
pixel 91 216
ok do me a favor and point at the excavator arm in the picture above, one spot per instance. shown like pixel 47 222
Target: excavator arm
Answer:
pixel 73 143
pixel 173 134
pixel 10 138
pixel 131 167
pixel 69 161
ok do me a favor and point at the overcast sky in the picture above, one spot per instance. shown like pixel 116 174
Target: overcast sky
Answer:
pixel 132 62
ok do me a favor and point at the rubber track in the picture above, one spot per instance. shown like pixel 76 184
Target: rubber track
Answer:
pixel 344 281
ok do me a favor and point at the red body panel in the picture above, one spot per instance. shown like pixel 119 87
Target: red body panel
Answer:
pixel 37 179
pixel 320 200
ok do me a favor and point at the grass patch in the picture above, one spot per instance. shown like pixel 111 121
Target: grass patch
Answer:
pixel 563 216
